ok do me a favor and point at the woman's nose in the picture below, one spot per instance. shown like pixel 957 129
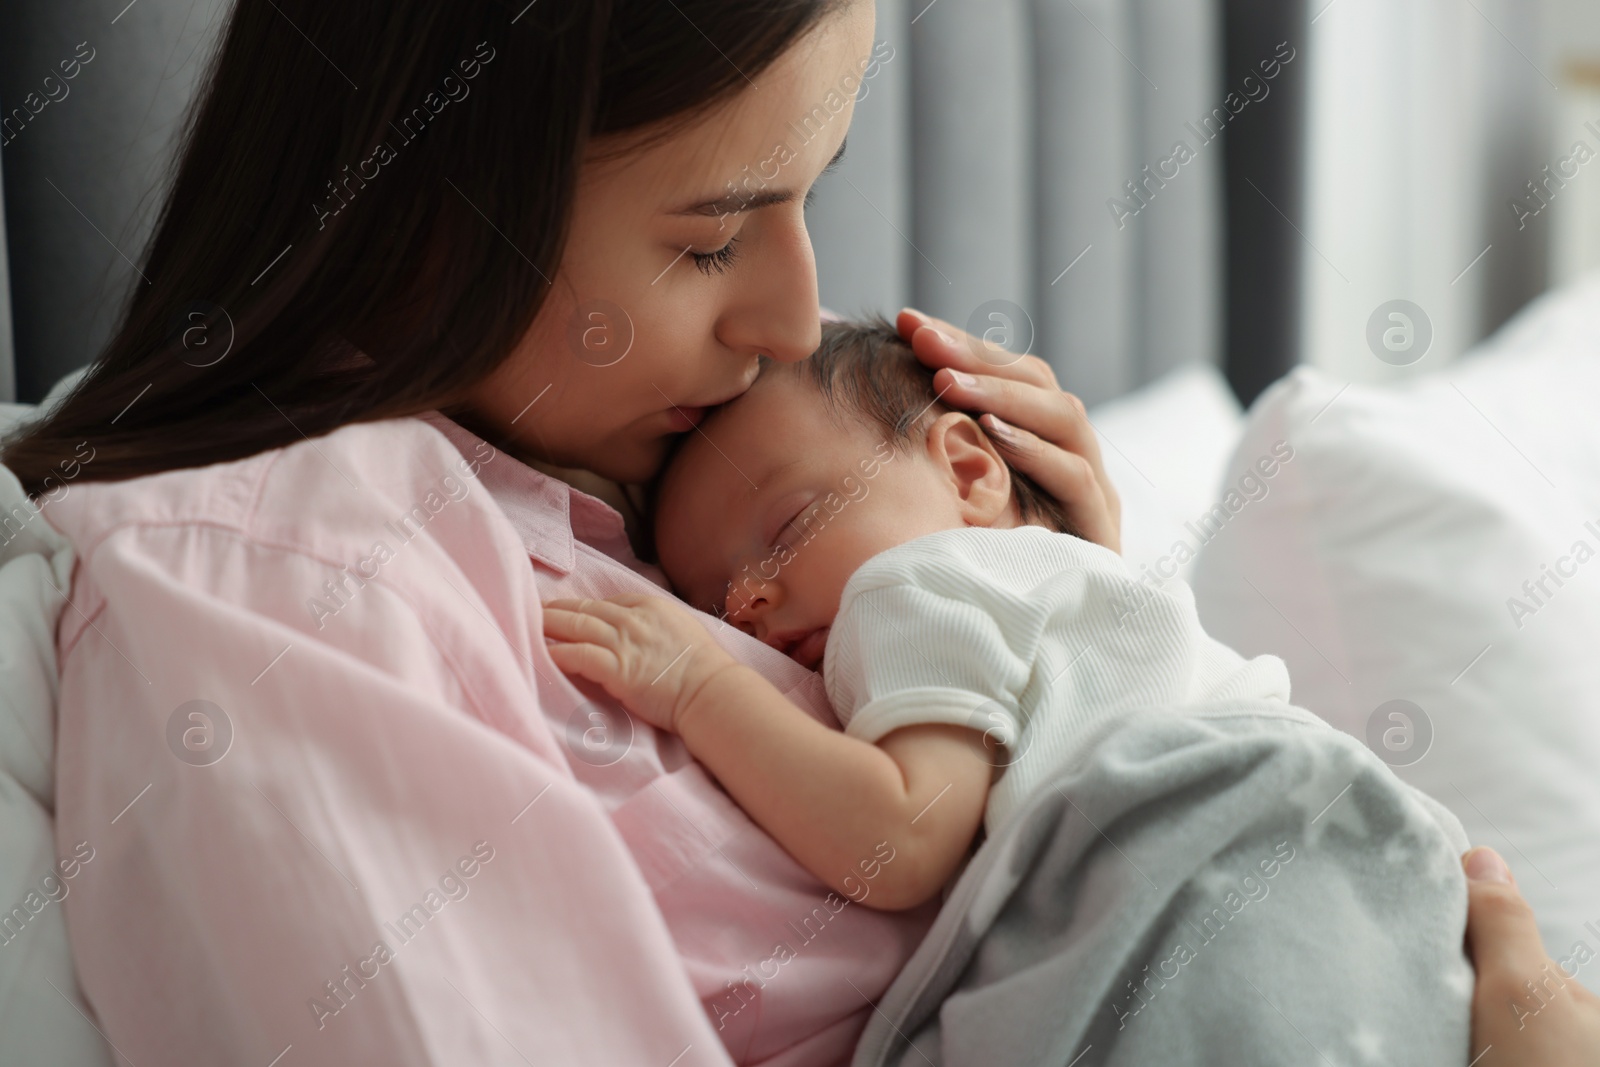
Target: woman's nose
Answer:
pixel 777 312
pixel 791 345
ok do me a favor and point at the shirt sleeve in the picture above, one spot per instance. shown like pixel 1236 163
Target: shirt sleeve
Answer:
pixel 349 843
pixel 901 654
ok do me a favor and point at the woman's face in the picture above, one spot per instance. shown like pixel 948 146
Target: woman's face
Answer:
pixel 686 259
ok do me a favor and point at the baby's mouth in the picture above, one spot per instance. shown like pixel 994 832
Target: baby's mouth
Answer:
pixel 806 649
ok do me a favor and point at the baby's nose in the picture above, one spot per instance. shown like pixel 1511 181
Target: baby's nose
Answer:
pixel 748 605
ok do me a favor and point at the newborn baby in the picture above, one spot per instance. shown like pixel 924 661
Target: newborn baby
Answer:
pixel 978 655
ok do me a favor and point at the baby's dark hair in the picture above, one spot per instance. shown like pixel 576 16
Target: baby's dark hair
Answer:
pixel 864 368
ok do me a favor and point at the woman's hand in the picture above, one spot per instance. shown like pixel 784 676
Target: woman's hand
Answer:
pixel 1511 1027
pixel 1045 433
pixel 646 651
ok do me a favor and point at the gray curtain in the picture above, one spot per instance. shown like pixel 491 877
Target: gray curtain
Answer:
pixel 8 358
pixel 1266 189
pixel 982 162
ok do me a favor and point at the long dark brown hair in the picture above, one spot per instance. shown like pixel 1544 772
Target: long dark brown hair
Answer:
pixel 301 277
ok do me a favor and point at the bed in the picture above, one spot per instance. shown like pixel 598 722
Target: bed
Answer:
pixel 1414 556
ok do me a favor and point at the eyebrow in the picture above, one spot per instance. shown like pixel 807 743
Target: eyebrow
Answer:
pixel 781 467
pixel 734 203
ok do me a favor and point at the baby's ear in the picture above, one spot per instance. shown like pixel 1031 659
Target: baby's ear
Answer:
pixel 981 479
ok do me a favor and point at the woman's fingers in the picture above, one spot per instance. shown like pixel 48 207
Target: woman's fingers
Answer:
pixel 1052 441
pixel 1021 395
pixel 1050 414
pixel 1502 935
pixel 944 345
pixel 1071 479
pixel 1556 1026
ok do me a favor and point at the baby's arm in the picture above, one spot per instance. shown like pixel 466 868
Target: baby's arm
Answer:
pixel 829 798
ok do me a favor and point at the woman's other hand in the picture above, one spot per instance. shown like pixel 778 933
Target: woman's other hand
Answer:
pixel 1557 1023
pixel 1042 430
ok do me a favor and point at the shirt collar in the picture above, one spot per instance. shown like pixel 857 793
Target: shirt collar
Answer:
pixel 547 513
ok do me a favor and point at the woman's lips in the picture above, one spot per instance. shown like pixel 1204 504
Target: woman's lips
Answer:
pixel 683 419
pixel 809 649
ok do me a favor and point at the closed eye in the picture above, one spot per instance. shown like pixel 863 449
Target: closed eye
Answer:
pixel 718 261
pixel 786 527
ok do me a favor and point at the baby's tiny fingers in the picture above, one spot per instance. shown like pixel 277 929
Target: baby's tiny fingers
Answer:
pixel 610 609
pixel 571 625
pixel 584 605
pixel 589 661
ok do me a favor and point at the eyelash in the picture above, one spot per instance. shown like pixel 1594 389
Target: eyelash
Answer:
pixel 780 536
pixel 718 261
pixel 719 609
pixel 721 260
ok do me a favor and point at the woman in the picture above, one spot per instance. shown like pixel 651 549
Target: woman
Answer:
pixel 417 260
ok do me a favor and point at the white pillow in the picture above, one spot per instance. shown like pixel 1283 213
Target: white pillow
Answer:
pixel 1387 561
pixel 11 414
pixel 42 1012
pixel 1166 447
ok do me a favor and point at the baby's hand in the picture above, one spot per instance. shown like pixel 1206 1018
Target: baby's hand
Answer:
pixel 646 651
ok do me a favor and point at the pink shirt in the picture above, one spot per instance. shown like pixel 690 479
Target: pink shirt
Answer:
pixel 396 833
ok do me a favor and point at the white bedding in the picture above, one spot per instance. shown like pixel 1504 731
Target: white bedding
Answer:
pixel 1399 556
pixel 43 1018
pixel 1166 447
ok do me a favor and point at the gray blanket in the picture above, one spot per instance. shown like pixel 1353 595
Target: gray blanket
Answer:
pixel 1240 884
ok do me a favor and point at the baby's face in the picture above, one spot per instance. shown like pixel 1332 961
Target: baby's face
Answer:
pixel 765 513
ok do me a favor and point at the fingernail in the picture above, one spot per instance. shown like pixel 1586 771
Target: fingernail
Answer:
pixel 1485 865
pixel 1001 428
pixel 961 378
pixel 946 338
pixel 913 311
